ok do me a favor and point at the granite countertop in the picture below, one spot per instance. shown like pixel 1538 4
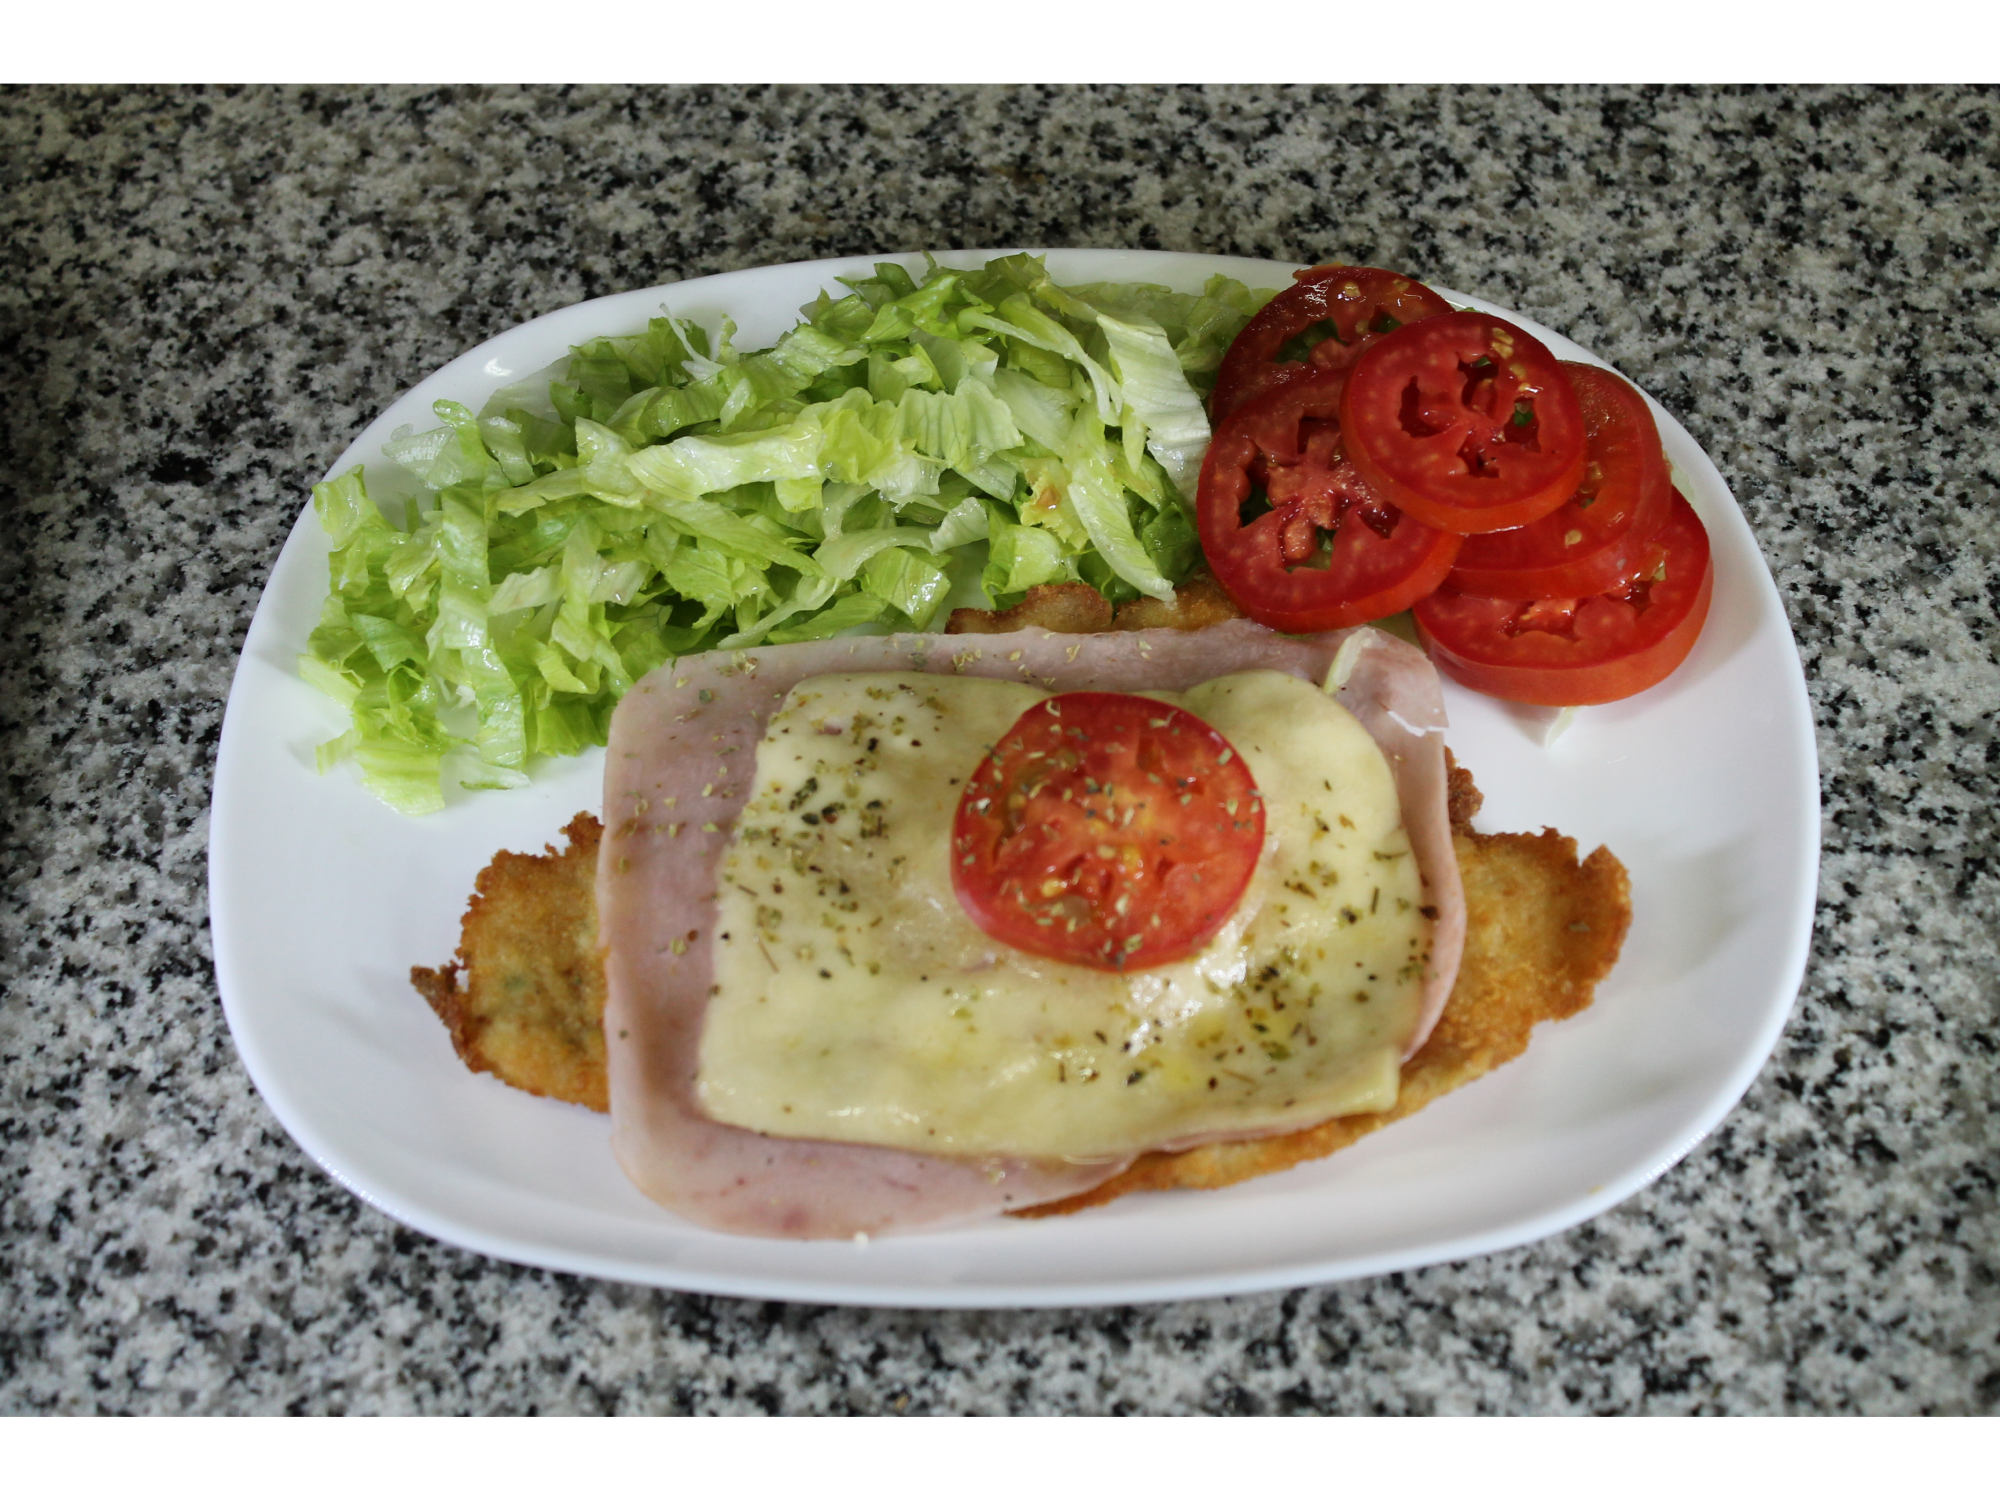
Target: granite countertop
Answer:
pixel 205 294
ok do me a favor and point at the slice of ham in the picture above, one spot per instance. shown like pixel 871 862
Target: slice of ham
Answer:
pixel 678 769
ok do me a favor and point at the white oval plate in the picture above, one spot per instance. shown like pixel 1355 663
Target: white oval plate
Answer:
pixel 1706 787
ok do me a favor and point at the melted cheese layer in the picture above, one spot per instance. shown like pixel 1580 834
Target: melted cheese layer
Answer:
pixel 854 1000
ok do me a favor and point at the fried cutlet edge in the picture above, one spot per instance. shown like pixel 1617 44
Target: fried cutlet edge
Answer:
pixel 524 998
pixel 1078 609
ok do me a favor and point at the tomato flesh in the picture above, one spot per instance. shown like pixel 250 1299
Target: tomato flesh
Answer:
pixel 1466 422
pixel 1107 830
pixel 1593 539
pixel 1319 549
pixel 1598 649
pixel 1351 306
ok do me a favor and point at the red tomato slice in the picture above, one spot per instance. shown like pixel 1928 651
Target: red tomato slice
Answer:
pixel 1592 540
pixel 1349 307
pixel 1107 830
pixel 1575 651
pixel 1466 422
pixel 1325 552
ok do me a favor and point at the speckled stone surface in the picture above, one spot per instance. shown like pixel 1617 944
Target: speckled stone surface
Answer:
pixel 204 294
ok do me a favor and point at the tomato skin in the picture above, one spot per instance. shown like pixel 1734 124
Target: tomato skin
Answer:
pixel 1601 648
pixel 1377 561
pixel 1593 539
pixel 1466 422
pixel 1108 830
pixel 1357 300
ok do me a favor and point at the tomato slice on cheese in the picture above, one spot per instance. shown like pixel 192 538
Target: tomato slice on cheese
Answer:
pixel 1108 830
pixel 1466 422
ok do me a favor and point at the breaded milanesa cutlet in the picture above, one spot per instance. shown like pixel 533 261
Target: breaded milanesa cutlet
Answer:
pixel 524 999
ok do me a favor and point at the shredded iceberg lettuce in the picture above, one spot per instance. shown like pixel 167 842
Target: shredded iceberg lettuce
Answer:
pixel 983 430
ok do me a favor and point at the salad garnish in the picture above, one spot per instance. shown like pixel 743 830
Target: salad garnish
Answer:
pixel 969 432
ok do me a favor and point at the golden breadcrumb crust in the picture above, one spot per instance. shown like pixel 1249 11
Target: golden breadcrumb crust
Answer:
pixel 530 1009
pixel 1078 609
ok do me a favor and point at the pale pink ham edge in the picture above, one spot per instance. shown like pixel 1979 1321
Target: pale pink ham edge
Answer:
pixel 667 742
